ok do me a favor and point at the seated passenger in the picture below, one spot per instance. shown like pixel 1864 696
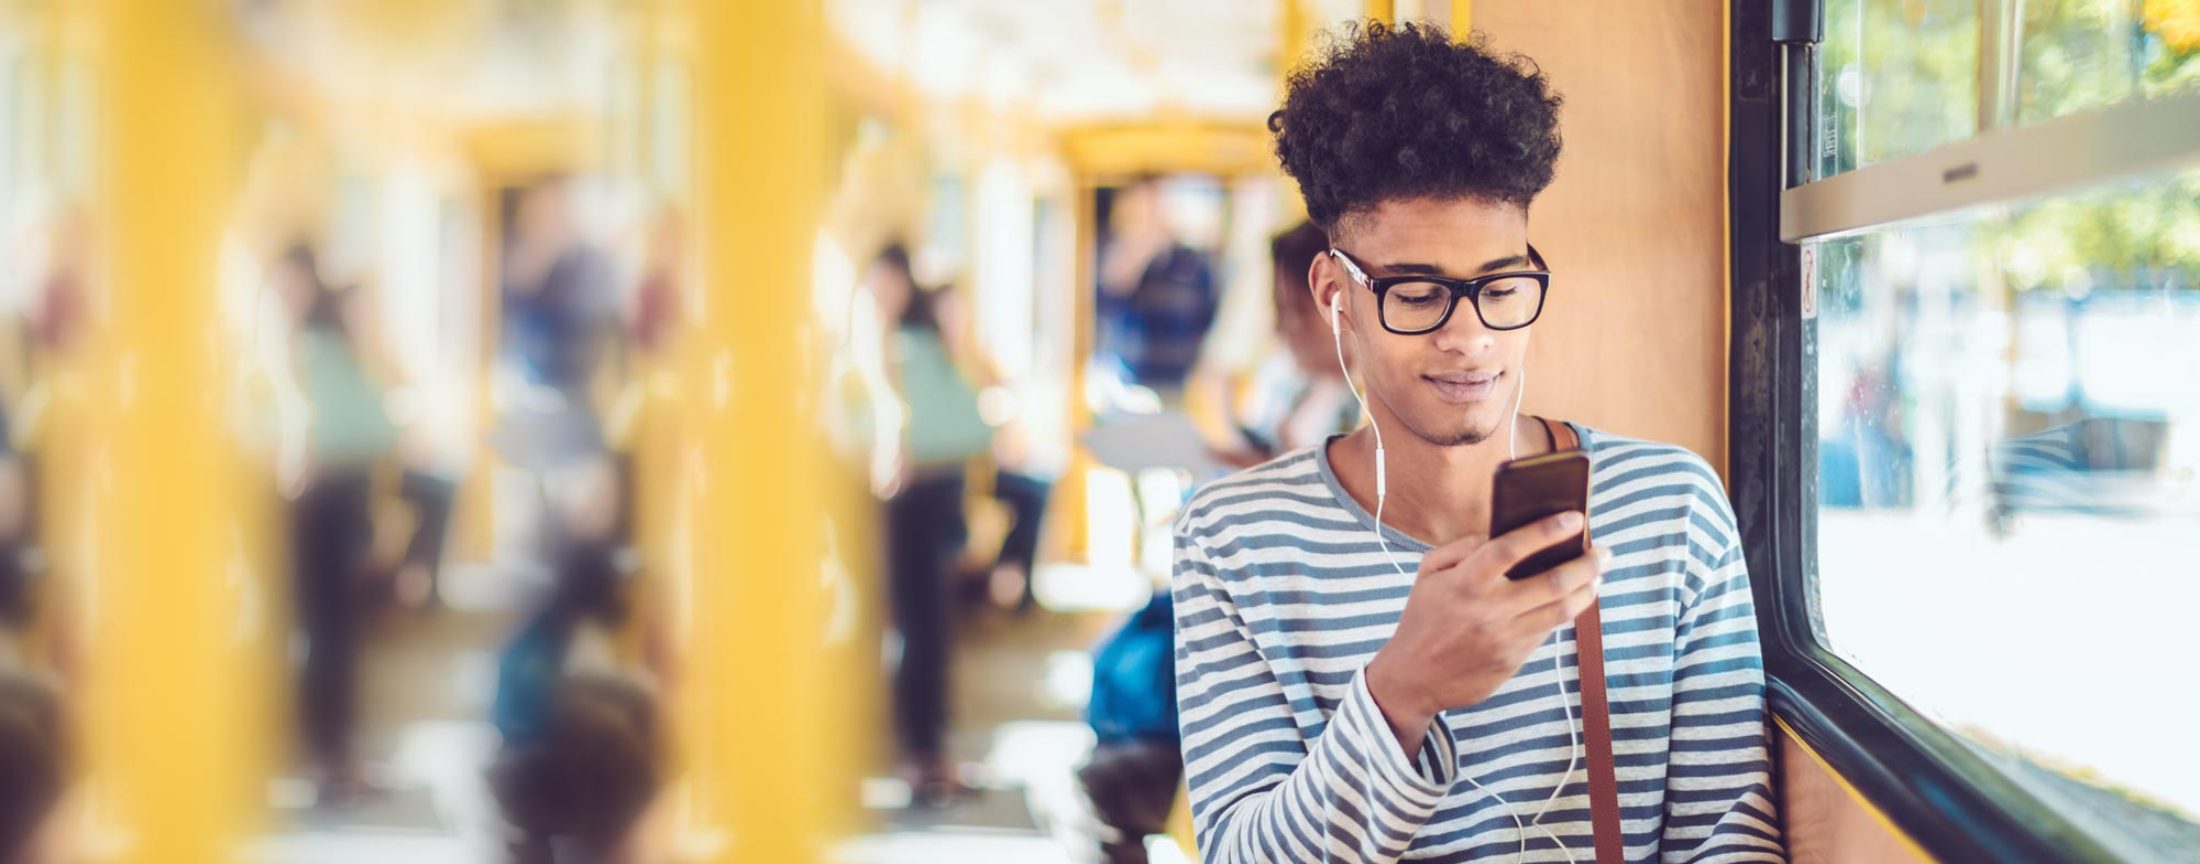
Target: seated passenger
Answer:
pixel 1357 687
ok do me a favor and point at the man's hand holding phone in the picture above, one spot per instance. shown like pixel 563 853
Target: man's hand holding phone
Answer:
pixel 1467 629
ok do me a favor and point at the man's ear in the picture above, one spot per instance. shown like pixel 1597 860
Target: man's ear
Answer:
pixel 1325 280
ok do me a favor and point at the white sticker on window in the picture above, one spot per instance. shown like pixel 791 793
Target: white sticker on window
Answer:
pixel 1810 282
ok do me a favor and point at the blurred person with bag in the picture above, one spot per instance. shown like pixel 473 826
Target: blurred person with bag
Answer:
pixel 924 517
pixel 584 750
pixel 346 433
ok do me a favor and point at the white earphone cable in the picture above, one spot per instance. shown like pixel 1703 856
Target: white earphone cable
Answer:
pixel 1558 671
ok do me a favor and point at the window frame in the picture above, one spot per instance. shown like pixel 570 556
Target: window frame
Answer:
pixel 1947 798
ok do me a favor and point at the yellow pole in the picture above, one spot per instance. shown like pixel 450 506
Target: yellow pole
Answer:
pixel 1293 44
pixel 763 692
pixel 167 700
pixel 1072 489
pixel 1462 19
pixel 1385 11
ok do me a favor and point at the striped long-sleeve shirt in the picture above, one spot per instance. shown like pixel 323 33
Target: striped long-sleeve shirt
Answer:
pixel 1283 596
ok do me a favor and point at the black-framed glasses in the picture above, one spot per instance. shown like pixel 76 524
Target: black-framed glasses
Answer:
pixel 1411 305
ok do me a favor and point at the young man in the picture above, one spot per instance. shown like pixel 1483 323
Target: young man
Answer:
pixel 1357 687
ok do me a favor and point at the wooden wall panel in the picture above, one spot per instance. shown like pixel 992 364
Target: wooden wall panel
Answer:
pixel 1635 339
pixel 1827 822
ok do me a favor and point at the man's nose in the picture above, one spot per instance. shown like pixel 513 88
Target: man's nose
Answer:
pixel 1464 333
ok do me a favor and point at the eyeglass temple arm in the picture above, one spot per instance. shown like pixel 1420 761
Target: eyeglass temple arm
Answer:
pixel 1349 267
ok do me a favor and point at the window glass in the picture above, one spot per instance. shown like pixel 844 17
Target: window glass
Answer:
pixel 2009 490
pixel 1896 77
pixel 2080 54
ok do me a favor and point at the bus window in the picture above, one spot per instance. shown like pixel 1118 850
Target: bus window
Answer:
pixel 1899 78
pixel 2078 55
pixel 1966 428
pixel 2009 489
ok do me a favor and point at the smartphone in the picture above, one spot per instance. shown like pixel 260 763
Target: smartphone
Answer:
pixel 1530 489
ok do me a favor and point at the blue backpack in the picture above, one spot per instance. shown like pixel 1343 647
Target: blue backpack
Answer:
pixel 1134 677
pixel 529 669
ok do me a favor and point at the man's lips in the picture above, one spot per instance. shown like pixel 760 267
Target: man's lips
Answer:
pixel 1463 387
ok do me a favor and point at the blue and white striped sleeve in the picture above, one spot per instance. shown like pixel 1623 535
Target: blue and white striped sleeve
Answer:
pixel 1262 792
pixel 1718 799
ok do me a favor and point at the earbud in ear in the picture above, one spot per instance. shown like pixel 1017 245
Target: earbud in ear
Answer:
pixel 1333 331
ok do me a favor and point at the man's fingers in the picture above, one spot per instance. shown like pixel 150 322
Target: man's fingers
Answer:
pixel 1559 581
pixel 1550 616
pixel 1515 546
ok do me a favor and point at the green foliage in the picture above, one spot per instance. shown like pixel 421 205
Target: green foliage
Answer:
pixel 1901 77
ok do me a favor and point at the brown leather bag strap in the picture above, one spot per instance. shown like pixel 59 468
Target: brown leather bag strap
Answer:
pixel 1562 434
pixel 1596 712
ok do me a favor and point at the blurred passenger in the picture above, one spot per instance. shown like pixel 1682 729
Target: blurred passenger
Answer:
pixel 559 316
pixel 41 459
pixel 1006 576
pixel 46 431
pixel 1009 582
pixel 33 775
pixel 430 493
pixel 331 519
pixel 19 589
pixel 924 518
pixel 576 792
pixel 1158 299
pixel 642 431
pixel 1298 397
pixel 1131 777
pixel 33 772
pixel 558 304
pixel 1158 296
pixel 583 753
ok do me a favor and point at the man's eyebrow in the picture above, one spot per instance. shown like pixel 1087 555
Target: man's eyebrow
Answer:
pixel 1416 268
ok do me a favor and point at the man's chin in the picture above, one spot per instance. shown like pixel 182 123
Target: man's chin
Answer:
pixel 1467 438
pixel 1456 434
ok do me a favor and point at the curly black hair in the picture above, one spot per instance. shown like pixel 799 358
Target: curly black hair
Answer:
pixel 1399 113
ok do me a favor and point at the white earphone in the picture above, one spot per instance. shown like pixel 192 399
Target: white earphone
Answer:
pixel 1382 482
pixel 1382 492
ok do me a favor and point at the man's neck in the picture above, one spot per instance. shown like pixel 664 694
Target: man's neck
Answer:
pixel 1437 494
